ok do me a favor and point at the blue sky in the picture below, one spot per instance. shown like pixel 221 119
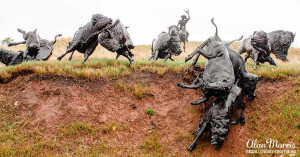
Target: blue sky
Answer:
pixel 147 19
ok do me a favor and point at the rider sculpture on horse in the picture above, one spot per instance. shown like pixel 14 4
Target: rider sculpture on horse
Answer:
pixel 183 34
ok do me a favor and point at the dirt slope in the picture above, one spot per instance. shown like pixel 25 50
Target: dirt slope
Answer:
pixel 54 101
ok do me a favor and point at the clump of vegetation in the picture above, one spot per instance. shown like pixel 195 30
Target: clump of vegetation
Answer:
pixel 150 111
pixel 7 40
pixel 141 91
pixel 111 127
pixel 181 136
pixel 152 143
pixel 79 128
pixel 138 90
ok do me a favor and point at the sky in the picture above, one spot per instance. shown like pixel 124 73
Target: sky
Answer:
pixel 147 19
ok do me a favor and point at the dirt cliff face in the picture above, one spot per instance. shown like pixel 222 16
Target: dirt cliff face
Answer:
pixel 51 102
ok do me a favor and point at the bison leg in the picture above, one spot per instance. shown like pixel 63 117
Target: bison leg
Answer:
pixel 70 49
pixel 196 59
pixel 271 61
pixel 197 83
pixel 91 48
pixel 150 58
pixel 118 55
pixel 155 57
pixel 190 56
pixel 241 50
pixel 22 32
pixel 171 58
pixel 199 130
pixel 167 57
pixel 241 105
pixel 242 119
pixel 202 99
pixel 255 57
pixel 197 52
pixel 26 54
pixel 128 56
pixel 246 58
pixel 16 43
pixel 70 58
pixel 86 56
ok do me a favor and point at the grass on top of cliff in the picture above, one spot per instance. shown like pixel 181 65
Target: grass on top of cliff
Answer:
pixel 93 68
pixel 102 64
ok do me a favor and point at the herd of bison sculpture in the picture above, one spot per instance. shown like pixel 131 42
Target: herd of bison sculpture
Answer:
pixel 36 49
pixel 224 76
pixel 261 45
pixel 101 29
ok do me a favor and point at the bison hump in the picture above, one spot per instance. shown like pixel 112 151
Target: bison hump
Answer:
pixel 118 39
pixel 161 43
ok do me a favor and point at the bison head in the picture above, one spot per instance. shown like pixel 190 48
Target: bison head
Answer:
pixel 248 84
pixel 285 43
pixel 219 129
pixel 173 30
pixel 260 38
pixel 174 42
pixel 100 21
pixel 32 43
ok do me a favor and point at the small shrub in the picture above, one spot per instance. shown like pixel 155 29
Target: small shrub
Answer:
pixel 150 111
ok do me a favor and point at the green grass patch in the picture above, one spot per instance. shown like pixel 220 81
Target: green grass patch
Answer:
pixel 279 120
pixel 150 111
pixel 269 71
pixel 81 128
pixel 111 68
pixel 93 68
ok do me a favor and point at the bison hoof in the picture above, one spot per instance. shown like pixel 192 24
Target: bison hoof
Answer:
pixel 242 122
pixel 131 62
pixel 252 96
pixel 197 102
pixel 181 84
pixel 233 123
pixel 58 58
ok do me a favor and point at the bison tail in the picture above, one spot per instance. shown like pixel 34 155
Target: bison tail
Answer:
pixel 216 33
pixel 152 45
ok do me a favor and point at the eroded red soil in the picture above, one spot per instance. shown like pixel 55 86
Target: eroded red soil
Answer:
pixel 54 101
